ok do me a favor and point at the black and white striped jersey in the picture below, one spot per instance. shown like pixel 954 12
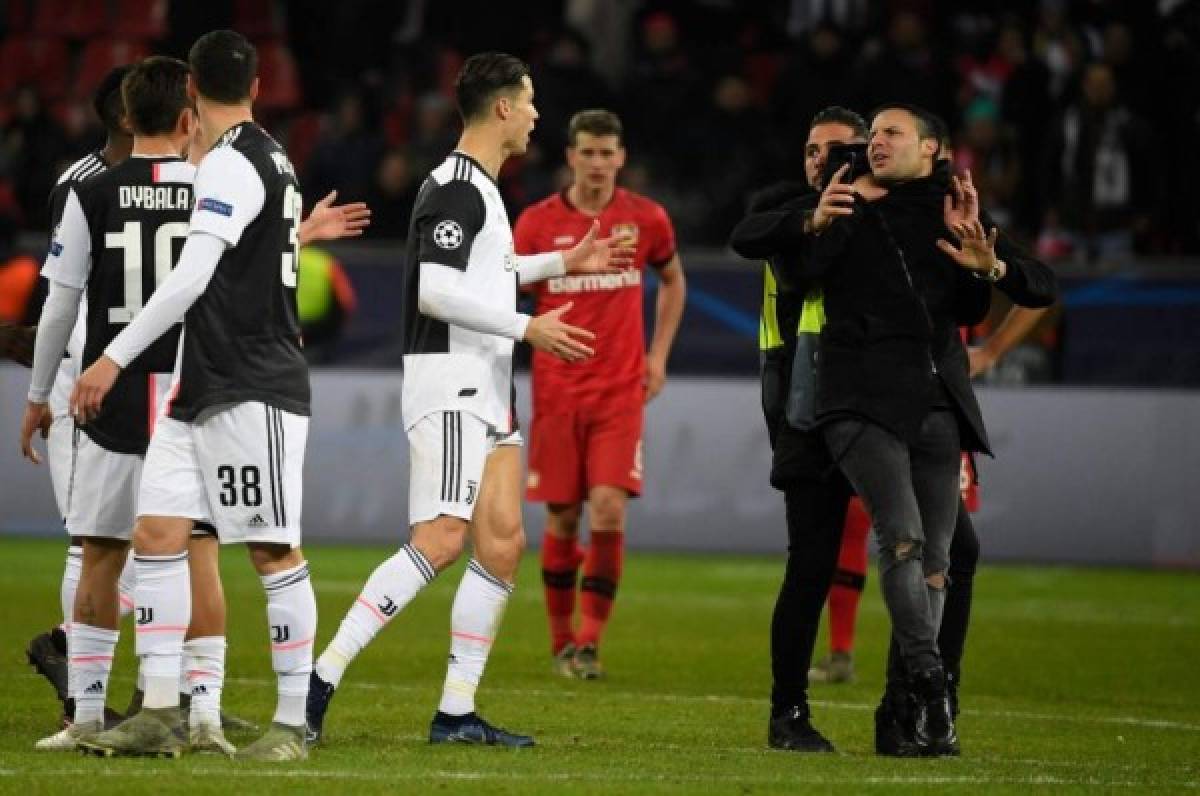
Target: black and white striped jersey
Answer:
pixel 459 221
pixel 120 235
pixel 87 166
pixel 241 339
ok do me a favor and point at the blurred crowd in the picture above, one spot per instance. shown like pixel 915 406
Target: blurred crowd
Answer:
pixel 1076 117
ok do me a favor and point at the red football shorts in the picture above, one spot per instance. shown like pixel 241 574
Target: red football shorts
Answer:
pixel 574 450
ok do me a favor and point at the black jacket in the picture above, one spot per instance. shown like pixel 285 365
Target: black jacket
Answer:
pixel 884 334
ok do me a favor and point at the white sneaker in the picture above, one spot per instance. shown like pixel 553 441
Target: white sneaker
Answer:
pixel 68 740
pixel 207 737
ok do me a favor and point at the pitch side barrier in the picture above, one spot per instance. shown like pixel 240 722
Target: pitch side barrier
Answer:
pixel 1089 476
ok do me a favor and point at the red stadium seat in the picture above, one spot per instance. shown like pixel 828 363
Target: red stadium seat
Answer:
pixel 279 82
pixel 141 19
pixel 100 57
pixel 42 63
pixel 256 19
pixel 71 19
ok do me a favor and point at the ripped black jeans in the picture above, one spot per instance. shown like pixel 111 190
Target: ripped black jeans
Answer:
pixel 911 493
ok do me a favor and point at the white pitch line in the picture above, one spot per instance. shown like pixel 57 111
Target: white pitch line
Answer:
pixel 1132 721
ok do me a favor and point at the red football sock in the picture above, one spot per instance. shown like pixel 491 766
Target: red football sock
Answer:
pixel 561 557
pixel 601 574
pixel 849 579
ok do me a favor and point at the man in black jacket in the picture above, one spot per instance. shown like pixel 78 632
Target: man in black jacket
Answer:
pixel 893 303
pixel 815 493
pixel 893 394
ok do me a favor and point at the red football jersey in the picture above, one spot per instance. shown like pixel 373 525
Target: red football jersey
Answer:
pixel 608 305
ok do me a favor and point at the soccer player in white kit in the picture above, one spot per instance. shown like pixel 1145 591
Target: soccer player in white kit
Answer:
pixel 460 325
pixel 229 449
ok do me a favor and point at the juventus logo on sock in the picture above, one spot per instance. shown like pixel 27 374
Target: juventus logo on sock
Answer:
pixel 387 607
pixel 280 633
pixel 145 614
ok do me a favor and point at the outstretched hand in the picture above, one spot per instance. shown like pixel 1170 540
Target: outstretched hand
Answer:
pixel 594 254
pixel 962 203
pixel 977 250
pixel 328 221
pixel 548 332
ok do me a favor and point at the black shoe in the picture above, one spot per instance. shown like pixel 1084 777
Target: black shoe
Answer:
pixel 933 727
pixel 319 694
pixel 792 730
pixel 472 729
pixel 47 652
pixel 894 735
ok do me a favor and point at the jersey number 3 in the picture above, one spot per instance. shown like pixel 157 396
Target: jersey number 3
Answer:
pixel 129 240
pixel 292 207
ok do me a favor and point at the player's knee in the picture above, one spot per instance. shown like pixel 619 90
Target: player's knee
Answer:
pixel 268 559
pixel 441 540
pixel 899 552
pixel 936 580
pixel 562 519
pixel 607 509
pixel 160 536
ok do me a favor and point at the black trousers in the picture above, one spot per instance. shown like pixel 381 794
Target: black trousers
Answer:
pixel 816 514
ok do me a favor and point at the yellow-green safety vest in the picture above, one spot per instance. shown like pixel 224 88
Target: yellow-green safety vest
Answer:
pixel 812 313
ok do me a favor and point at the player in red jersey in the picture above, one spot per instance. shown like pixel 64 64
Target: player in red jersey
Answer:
pixel 586 435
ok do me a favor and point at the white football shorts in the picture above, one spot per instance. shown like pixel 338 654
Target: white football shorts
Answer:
pixel 237 467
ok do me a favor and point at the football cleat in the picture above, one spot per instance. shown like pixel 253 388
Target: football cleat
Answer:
pixel 208 737
pixel 472 729
pixel 587 663
pixel 151 733
pixel 793 731
pixel 564 661
pixel 47 652
pixel 280 744
pixel 319 695
pixel 67 740
pixel 837 667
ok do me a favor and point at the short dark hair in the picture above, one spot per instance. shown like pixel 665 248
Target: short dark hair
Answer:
pixel 836 114
pixel 224 64
pixel 155 93
pixel 482 76
pixel 595 121
pixel 929 124
pixel 107 99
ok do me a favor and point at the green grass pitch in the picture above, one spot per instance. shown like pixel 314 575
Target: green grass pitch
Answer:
pixel 1075 680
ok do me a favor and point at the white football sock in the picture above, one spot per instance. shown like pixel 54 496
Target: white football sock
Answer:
pixel 125 586
pixel 164 610
pixel 204 667
pixel 70 584
pixel 474 619
pixel 89 663
pixel 292 615
pixel 391 586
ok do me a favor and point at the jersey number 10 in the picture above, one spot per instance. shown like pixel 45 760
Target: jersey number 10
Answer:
pixel 129 240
